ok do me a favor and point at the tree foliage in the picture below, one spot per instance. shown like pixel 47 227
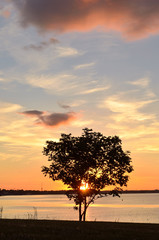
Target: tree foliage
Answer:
pixel 91 158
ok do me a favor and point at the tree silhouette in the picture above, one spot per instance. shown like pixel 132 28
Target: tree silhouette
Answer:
pixel 87 164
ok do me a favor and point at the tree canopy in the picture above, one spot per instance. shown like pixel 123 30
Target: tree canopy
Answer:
pixel 91 158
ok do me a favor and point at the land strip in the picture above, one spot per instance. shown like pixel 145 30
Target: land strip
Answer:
pixel 16 229
pixel 5 192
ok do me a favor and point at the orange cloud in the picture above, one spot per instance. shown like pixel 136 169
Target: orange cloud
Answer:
pixel 50 119
pixel 134 19
pixel 6 14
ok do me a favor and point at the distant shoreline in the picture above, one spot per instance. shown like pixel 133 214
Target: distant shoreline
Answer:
pixel 5 192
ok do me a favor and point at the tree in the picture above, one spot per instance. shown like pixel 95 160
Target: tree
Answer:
pixel 87 164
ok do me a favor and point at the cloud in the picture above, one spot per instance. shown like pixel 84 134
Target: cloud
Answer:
pixel 128 110
pixel 17 134
pixel 67 83
pixel 67 51
pixel 82 123
pixel 130 105
pixel 33 113
pixel 56 83
pixel 63 105
pixel 58 51
pixel 78 103
pixel 1 77
pixel 86 65
pixel 9 107
pixel 142 82
pixel 94 90
pixel 74 104
pixel 133 115
pixel 50 119
pixel 41 45
pixel 5 9
pixel 148 148
pixel 134 19
pixel 5 13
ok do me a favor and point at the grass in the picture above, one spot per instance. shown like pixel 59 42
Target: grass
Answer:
pixel 17 229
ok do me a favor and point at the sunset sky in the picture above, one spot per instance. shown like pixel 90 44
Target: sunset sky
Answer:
pixel 70 64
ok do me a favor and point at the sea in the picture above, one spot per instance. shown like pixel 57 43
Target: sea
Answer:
pixel 134 208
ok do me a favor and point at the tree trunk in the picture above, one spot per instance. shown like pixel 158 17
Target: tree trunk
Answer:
pixel 80 215
pixel 84 212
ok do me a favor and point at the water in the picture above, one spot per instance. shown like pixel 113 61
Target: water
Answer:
pixel 128 208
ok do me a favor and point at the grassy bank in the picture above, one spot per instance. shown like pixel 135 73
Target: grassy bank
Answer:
pixel 70 230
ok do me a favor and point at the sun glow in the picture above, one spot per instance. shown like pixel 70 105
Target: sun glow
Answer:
pixel 84 186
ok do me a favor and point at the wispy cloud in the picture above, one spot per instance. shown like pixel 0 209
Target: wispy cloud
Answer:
pixel 50 119
pixel 64 106
pixel 82 123
pixel 132 115
pixel 1 78
pixel 67 51
pixel 66 82
pixel 74 103
pixel 134 19
pixel 69 105
pixel 77 103
pixel 142 82
pixel 41 45
pixel 94 90
pixel 148 148
pixel 58 83
pixel 134 131
pixel 8 107
pixel 128 110
pixel 83 66
pixel 130 104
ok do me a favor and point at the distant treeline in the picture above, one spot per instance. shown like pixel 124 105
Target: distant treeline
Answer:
pixel 4 192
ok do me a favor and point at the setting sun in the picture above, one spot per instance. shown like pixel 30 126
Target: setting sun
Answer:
pixel 84 186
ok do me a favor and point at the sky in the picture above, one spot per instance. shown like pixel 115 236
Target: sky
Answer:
pixel 70 64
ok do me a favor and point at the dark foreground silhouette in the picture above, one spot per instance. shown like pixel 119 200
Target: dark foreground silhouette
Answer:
pixel 87 164
pixel 71 230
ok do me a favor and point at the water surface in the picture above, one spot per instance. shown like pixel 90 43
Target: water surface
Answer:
pixel 141 207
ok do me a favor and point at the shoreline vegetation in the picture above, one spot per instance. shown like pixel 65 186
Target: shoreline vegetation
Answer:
pixel 4 192
pixel 17 229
